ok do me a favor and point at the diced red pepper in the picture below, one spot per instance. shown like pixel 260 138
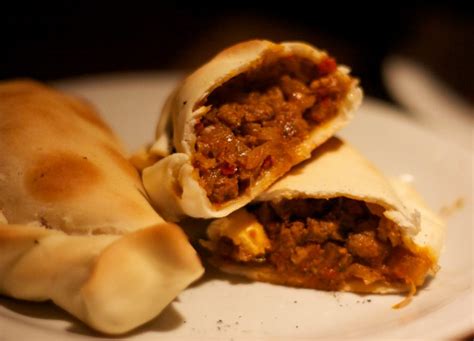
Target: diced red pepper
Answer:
pixel 327 66
pixel 330 273
pixel 268 162
pixel 325 103
pixel 228 169
pixel 198 127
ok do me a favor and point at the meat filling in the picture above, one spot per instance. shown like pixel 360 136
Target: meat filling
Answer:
pixel 324 243
pixel 258 118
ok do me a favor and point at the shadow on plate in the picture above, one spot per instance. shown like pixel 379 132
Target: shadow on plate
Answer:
pixel 169 319
pixel 40 310
pixel 214 274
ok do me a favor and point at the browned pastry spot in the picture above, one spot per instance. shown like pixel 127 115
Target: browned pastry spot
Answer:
pixel 60 176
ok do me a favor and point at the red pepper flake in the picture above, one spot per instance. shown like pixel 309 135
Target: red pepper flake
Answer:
pixel 330 273
pixel 198 127
pixel 268 162
pixel 327 66
pixel 325 102
pixel 228 169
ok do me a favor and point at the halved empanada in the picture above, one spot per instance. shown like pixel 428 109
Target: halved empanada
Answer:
pixel 241 121
pixel 333 223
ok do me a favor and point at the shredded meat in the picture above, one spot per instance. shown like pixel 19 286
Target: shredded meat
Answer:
pixel 327 242
pixel 258 118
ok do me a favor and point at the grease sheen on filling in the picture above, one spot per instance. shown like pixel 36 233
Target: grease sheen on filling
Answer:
pixel 258 118
pixel 321 244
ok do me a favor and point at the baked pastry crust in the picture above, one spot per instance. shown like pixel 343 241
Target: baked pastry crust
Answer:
pixel 172 182
pixel 75 224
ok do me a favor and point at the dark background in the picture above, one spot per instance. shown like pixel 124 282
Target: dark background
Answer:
pixel 67 40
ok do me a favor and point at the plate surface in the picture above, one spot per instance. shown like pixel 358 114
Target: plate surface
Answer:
pixel 231 308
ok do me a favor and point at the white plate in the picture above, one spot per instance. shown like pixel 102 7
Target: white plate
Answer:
pixel 224 307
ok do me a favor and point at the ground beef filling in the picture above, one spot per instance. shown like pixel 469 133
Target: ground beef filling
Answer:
pixel 258 118
pixel 323 243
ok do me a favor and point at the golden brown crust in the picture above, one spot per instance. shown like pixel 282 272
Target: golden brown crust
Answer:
pixel 61 176
pixel 86 111
pixel 112 283
pixel 52 154
pixel 245 47
pixel 40 97
pixel 123 163
pixel 75 224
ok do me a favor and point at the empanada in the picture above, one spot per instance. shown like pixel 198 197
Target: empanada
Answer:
pixel 240 122
pixel 333 223
pixel 75 224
